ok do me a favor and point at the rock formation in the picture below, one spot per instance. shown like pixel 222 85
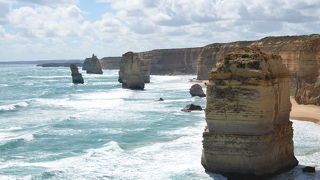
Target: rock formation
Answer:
pixel 110 62
pixel 300 54
pixel 134 71
pixel 248 129
pixel 76 76
pixel 92 65
pixel 172 61
pixel 196 90
pixel 192 107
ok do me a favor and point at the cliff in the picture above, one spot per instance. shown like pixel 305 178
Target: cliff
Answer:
pixel 300 54
pixel 248 130
pixel 110 62
pixel 92 65
pixel 172 61
pixel 134 72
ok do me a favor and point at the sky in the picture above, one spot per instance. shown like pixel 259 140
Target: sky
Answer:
pixel 74 29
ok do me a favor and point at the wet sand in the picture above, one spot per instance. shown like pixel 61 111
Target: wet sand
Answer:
pixel 305 112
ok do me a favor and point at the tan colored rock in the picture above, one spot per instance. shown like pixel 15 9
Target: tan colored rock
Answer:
pixel 92 65
pixel 134 71
pixel 300 54
pixel 248 129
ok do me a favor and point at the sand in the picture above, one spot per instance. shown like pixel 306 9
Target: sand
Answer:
pixel 305 112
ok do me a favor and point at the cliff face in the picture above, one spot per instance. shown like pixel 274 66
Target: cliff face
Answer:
pixel 300 54
pixel 210 55
pixel 248 129
pixel 172 61
pixel 134 72
pixel 92 65
pixel 110 62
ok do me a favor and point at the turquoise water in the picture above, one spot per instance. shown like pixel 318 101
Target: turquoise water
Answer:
pixel 52 129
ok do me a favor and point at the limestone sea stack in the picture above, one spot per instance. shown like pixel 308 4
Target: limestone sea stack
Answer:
pixel 76 76
pixel 134 71
pixel 92 65
pixel 196 90
pixel 248 131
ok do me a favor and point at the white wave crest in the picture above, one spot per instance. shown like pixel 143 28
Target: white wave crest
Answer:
pixel 12 107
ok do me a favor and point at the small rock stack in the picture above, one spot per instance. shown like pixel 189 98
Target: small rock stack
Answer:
pixel 134 71
pixel 76 76
pixel 196 90
pixel 92 65
pixel 248 129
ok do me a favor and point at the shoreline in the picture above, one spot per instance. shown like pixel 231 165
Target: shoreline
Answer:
pixel 303 112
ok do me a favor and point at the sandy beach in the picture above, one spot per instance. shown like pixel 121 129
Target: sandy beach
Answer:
pixel 305 112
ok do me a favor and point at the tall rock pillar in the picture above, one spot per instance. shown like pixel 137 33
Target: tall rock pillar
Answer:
pixel 248 129
pixel 134 71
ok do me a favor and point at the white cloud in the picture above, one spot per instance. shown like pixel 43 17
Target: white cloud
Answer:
pixel 46 22
pixel 140 25
pixel 49 2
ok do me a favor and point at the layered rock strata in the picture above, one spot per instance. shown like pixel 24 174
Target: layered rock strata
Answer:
pixel 172 61
pixel 248 129
pixel 300 54
pixel 76 76
pixel 110 62
pixel 134 71
pixel 92 65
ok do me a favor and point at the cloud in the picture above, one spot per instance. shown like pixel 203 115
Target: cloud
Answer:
pixel 46 22
pixel 140 25
pixel 49 2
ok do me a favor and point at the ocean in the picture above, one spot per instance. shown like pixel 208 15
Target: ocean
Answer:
pixel 53 129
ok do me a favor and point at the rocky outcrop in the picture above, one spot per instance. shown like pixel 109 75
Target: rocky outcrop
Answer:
pixel 300 54
pixel 59 64
pixel 248 130
pixel 192 107
pixel 134 71
pixel 196 90
pixel 210 55
pixel 110 62
pixel 92 65
pixel 172 61
pixel 76 76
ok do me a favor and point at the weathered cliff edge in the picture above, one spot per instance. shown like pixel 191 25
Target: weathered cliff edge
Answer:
pixel 110 62
pixel 92 65
pixel 248 130
pixel 172 61
pixel 134 72
pixel 300 54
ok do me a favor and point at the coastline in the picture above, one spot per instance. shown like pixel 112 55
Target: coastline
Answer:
pixel 302 112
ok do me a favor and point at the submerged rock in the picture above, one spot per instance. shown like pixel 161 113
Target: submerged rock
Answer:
pixel 192 107
pixel 76 76
pixel 248 131
pixel 134 71
pixel 196 90
pixel 309 169
pixel 92 65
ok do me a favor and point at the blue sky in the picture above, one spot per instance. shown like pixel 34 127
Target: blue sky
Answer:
pixel 74 29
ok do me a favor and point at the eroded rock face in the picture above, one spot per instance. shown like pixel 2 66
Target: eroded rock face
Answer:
pixel 300 54
pixel 134 71
pixel 110 62
pixel 248 129
pixel 172 61
pixel 92 65
pixel 196 90
pixel 76 76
